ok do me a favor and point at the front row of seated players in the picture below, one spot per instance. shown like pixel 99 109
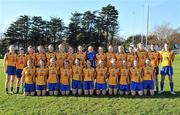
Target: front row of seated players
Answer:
pixel 54 79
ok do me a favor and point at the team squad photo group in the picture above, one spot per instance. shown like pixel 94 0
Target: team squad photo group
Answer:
pixel 88 73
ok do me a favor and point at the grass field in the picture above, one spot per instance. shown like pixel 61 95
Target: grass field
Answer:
pixel 161 104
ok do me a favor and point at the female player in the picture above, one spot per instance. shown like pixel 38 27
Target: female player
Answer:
pixel 167 58
pixel 28 78
pixel 40 56
pixel 61 55
pixel 81 56
pixel 131 56
pixel 148 78
pixel 110 55
pixel 113 78
pixel 154 58
pixel 88 78
pixel 41 78
pixel 91 56
pixel 53 77
pixel 142 55
pixel 71 56
pixel 120 56
pixel 124 79
pixel 101 56
pixel 10 67
pixel 20 64
pixel 65 78
pixel 136 79
pixel 101 76
pixel 30 55
pixel 50 54
pixel 77 78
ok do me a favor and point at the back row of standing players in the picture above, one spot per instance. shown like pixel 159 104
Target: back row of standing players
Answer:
pixel 136 71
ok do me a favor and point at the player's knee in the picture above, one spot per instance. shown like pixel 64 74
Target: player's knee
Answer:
pixel 67 92
pixel 91 92
pixel 133 93
pixel 140 93
pixel 55 93
pixel 85 92
pixel 127 92
pixel 32 93
pixel 104 92
pixel 98 92
pixel 121 93
pixel 62 92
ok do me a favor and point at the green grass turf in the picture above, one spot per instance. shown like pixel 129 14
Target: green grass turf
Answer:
pixel 160 104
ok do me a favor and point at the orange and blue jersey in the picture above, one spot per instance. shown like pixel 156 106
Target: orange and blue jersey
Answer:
pixel 10 59
pixel 136 79
pixel 167 57
pixel 109 56
pixel 81 57
pixel 119 59
pixel 124 79
pixel 154 58
pixel 71 58
pixel 77 77
pixel 142 56
pixel 32 57
pixel 124 76
pixel 28 78
pixel 41 76
pixel 101 75
pixel 101 57
pixel 88 76
pixel 40 56
pixel 50 55
pixel 53 74
pixel 130 58
pixel 65 76
pixel 53 78
pixel 28 75
pixel 148 77
pixel 113 78
pixel 10 63
pixel 60 56
pixel 20 64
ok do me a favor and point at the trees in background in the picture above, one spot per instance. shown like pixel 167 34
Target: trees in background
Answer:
pixel 97 28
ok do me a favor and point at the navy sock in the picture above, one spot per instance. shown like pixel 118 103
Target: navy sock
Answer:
pixel 6 90
pixel 11 88
pixel 157 89
pixel 162 86
pixel 17 89
pixel 171 86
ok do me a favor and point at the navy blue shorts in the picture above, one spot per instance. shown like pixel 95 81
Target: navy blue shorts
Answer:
pixel 88 85
pixel 124 87
pixel 64 87
pixel 100 86
pixel 136 86
pixel 11 70
pixel 148 84
pixel 167 70
pixel 113 86
pixel 40 87
pixel 28 87
pixel 19 73
pixel 52 86
pixel 76 84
